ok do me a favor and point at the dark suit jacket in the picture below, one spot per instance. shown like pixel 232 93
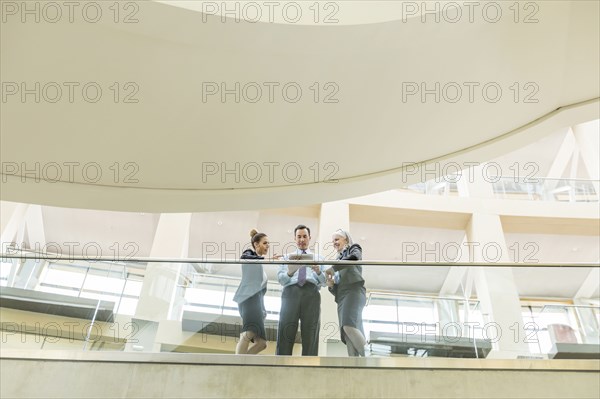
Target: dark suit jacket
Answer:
pixel 252 278
pixel 349 274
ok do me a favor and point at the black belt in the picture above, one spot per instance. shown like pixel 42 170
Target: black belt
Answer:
pixel 307 284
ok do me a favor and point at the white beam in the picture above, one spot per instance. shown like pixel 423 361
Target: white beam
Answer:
pixel 563 156
pixel 34 221
pixel 333 216
pixel 574 164
pixel 589 285
pixel 456 274
pixel 496 287
pixel 588 140
pixel 17 218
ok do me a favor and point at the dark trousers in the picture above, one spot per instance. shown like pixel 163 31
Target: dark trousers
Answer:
pixel 301 304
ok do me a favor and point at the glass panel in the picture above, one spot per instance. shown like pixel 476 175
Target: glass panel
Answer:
pixel 204 296
pixel 127 306
pixel 409 324
pixel 521 188
pixel 133 288
pixel 416 310
pixel 59 277
pixel 383 327
pixel 5 268
pixel 381 310
pixel 103 284
pixel 570 323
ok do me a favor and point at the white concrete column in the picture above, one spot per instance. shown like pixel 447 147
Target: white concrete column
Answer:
pixel 12 221
pixel 587 136
pixel 496 288
pixel 474 182
pixel 161 299
pixel 587 318
pixel 334 215
pixel 448 311
pixel 35 227
pixel 563 156
pixel 36 237
pixel 456 274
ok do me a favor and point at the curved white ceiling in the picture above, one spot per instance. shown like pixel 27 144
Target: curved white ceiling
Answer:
pixel 171 145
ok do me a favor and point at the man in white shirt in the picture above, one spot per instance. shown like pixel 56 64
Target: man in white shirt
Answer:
pixel 300 300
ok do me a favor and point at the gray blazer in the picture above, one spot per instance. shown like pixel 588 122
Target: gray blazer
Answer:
pixel 350 274
pixel 252 278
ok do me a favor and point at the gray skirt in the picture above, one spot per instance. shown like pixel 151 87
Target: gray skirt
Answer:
pixel 252 314
pixel 351 300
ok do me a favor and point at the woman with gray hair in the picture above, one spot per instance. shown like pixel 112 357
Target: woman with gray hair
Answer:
pixel 350 293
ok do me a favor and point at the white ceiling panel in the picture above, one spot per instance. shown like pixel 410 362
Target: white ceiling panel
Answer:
pixel 155 141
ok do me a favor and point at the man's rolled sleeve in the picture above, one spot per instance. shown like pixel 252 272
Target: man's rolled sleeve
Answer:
pixel 282 275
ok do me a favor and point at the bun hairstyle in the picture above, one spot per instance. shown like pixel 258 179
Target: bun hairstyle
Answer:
pixel 255 237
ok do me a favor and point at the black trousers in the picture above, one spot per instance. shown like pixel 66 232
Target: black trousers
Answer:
pixel 299 304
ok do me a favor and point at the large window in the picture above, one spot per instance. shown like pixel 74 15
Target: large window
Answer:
pixel 214 294
pixel 421 315
pixel 548 322
pixel 116 283
pixel 5 268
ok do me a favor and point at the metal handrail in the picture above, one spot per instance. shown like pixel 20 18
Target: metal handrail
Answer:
pixel 515 178
pixel 386 293
pixel 219 276
pixel 570 306
pixel 39 256
pixel 547 178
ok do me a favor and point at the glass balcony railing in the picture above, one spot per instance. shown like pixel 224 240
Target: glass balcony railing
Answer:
pixel 433 187
pixel 572 324
pixel 424 325
pixel 520 188
pixel 549 324
pixel 114 282
pixel 178 306
pixel 214 294
pixel 558 190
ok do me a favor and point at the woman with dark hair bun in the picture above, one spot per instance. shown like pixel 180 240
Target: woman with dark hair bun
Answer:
pixel 250 297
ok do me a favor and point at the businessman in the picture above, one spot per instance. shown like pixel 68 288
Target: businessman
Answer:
pixel 300 300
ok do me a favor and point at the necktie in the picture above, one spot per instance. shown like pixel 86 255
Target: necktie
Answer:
pixel 302 274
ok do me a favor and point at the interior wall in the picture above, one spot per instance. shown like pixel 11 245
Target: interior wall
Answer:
pixel 197 379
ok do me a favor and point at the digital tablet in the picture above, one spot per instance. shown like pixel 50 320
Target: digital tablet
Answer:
pixel 301 257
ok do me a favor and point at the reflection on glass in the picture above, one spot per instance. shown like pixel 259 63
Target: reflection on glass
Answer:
pixel 441 323
pixel 5 268
pixel 562 323
pixel 522 188
pixel 106 282
pixel 214 294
